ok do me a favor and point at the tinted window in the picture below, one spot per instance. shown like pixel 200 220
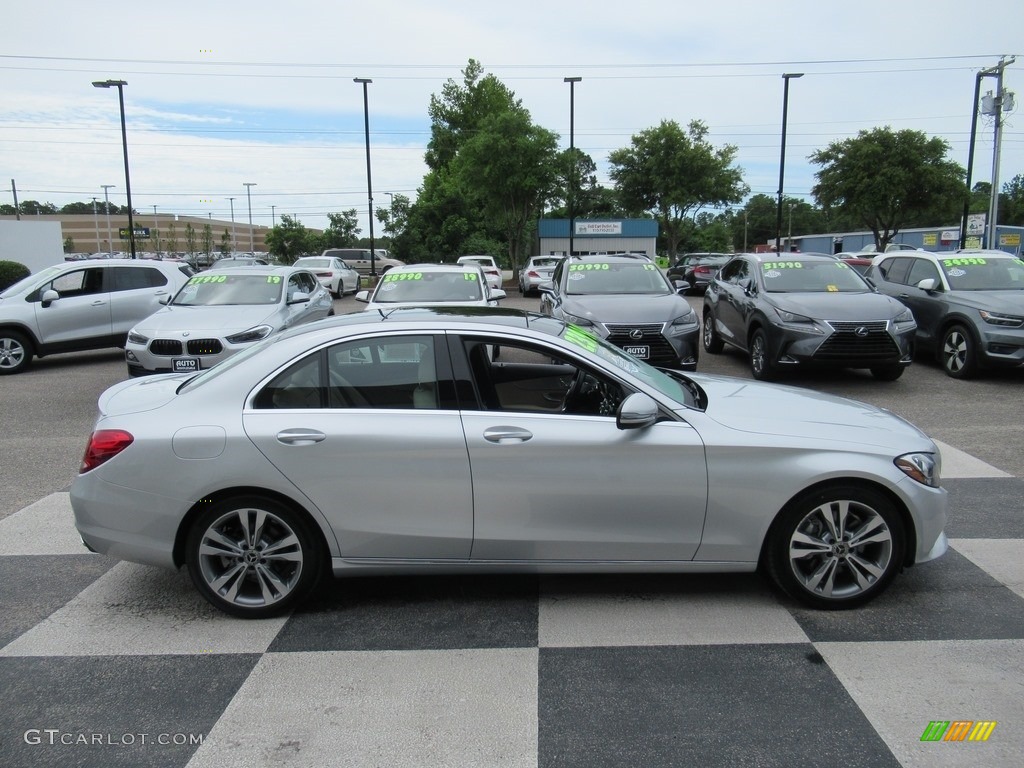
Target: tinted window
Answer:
pixel 733 271
pixel 134 278
pixel 299 386
pixel 895 270
pixel 922 269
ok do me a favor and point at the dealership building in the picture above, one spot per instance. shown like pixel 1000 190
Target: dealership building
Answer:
pixel 595 236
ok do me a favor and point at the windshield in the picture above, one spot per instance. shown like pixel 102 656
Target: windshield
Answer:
pixel 428 286
pixel 984 273
pixel 208 290
pixel 831 276
pixel 596 278
pixel 37 279
pixel 552 262
pixel 676 389
pixel 313 263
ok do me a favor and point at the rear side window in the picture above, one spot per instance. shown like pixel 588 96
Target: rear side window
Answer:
pixel 895 270
pixel 134 278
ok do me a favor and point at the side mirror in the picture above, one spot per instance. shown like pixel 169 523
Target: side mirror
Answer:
pixel 681 285
pixel 547 287
pixel 49 296
pixel 165 299
pixel 298 297
pixel 363 296
pixel 497 294
pixel 636 412
pixel 747 285
pixel 928 284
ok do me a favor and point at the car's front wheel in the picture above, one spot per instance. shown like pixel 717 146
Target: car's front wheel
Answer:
pixel 761 365
pixel 837 547
pixel 957 354
pixel 15 352
pixel 252 557
pixel 709 336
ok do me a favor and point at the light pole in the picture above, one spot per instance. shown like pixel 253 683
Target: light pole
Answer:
pixel 233 246
pixel 248 185
pixel 369 187
pixel 572 158
pixel 106 206
pixel 789 237
pixel 156 231
pixel 96 223
pixel 782 159
pixel 744 231
pixel 120 84
pixel 273 220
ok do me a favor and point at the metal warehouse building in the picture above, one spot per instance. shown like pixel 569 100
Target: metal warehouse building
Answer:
pixel 598 236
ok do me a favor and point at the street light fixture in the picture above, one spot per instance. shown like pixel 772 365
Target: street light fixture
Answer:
pixel 248 185
pixel 782 159
pixel 120 84
pixel 106 207
pixel 273 219
pixel 369 187
pixel 96 224
pixel 234 246
pixel 572 158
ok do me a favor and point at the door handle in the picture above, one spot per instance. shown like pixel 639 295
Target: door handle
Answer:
pixel 501 435
pixel 300 436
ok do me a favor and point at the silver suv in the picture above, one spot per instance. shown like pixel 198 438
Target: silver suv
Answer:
pixel 81 305
pixel 359 260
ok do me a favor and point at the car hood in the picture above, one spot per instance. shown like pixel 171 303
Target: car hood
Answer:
pixel 627 307
pixel 1009 302
pixel 783 411
pixel 850 307
pixel 138 395
pixel 214 321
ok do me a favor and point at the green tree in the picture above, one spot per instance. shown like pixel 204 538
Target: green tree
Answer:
pixel 225 243
pixel 1011 202
pixel 886 180
pixel 395 217
pixel 190 240
pixel 172 238
pixel 342 230
pixel 207 240
pixel 509 166
pixel 672 174
pixel 69 245
pixel 290 239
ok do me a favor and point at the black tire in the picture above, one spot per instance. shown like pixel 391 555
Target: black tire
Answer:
pixel 888 372
pixel 958 353
pixel 761 365
pixel 812 551
pixel 226 557
pixel 15 352
pixel 709 336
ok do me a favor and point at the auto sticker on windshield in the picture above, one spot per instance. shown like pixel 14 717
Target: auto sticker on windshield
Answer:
pixel 772 274
pixel 773 265
pixel 576 335
pixel 402 277
pixel 832 288
pixel 588 267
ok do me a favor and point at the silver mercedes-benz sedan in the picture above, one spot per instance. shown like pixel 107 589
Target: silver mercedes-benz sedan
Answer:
pixel 387 442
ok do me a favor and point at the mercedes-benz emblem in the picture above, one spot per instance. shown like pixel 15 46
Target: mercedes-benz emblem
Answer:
pixel 636 333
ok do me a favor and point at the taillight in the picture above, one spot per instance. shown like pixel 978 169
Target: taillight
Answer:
pixel 104 444
pixel 702 270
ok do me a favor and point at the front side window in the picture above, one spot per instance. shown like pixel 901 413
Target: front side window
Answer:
pixel 80 282
pixel 922 269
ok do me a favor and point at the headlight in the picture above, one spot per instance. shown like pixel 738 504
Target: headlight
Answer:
pixel 1007 321
pixel 805 324
pixel 577 320
pixel 134 337
pixel 683 324
pixel 922 467
pixel 906 316
pixel 251 335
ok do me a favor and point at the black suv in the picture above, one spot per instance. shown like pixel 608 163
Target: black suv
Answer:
pixel 787 310
pixel 626 300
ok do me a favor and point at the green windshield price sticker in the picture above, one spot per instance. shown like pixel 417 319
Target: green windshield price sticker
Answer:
pixel 587 267
pixel 470 276
pixel 208 279
pixel 650 267
pixel 391 278
pixel 962 262
pixel 576 335
pixel 273 279
pixel 782 265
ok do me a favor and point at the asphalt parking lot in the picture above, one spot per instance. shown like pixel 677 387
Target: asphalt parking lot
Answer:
pixel 106 664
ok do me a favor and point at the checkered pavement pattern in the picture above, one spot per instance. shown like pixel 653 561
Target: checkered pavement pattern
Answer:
pixel 115 664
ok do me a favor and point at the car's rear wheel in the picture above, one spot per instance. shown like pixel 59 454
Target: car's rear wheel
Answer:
pixel 887 372
pixel 252 557
pixel 957 353
pixel 709 336
pixel 838 547
pixel 15 352
pixel 761 364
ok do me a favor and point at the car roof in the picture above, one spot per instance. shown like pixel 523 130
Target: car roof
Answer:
pixel 436 268
pixel 793 256
pixel 256 269
pixel 613 258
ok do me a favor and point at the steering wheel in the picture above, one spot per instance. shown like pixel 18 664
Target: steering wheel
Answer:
pixel 575 391
pixel 589 394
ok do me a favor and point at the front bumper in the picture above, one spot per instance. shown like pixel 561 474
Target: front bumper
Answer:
pixel 846 345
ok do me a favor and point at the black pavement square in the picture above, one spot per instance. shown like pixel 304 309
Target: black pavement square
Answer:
pixel 111 711
pixel 985 508
pixel 713 705
pixel 415 613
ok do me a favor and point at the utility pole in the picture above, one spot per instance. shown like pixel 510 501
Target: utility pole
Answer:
pixel 994 105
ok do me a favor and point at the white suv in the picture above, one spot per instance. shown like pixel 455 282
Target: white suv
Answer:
pixel 79 305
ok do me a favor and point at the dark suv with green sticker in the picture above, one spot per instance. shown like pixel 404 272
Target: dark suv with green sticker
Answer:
pixel 791 310
pixel 629 302
pixel 969 305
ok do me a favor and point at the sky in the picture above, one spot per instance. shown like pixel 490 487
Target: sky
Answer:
pixel 220 94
